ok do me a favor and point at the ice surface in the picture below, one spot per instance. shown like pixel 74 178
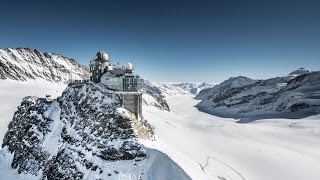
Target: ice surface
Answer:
pixel 263 150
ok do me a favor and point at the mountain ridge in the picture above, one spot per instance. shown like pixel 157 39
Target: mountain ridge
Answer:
pixel 26 63
pixel 286 97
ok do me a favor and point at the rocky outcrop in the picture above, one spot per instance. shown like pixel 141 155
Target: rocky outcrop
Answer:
pixel 78 133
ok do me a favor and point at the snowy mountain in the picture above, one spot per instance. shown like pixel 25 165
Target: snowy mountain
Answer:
pixel 25 63
pixel 232 82
pixel 169 90
pixel 289 97
pixel 84 134
pixel 194 88
pixel 299 72
pixel 156 93
pixel 29 72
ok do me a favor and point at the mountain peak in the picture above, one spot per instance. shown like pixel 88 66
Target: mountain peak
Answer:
pixel 300 71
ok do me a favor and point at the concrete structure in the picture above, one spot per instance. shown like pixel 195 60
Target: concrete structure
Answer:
pixel 120 79
pixel 133 103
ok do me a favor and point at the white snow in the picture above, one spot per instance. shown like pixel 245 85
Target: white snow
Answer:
pixel 149 100
pixel 51 141
pixel 31 64
pixel 157 166
pixel 266 149
pixel 11 174
pixel 12 92
pixel 168 90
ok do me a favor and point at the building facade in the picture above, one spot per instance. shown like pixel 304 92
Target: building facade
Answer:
pixel 120 79
pixel 99 65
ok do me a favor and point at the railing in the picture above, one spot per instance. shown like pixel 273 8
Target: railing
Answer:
pixel 77 81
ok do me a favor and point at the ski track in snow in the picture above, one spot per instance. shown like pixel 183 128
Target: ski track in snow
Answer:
pixel 203 167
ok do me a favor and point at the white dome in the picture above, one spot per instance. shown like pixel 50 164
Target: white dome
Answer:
pixel 102 55
pixel 128 66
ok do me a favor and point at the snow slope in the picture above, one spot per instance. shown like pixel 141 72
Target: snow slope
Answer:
pixel 25 63
pixel 12 92
pixel 154 94
pixel 274 149
pixel 194 88
pixel 168 90
pixel 232 82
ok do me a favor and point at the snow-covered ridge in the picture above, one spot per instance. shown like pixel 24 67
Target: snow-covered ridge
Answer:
pixel 232 82
pixel 194 88
pixel 156 93
pixel 170 90
pixel 288 97
pixel 25 63
pixel 300 71
pixel 84 134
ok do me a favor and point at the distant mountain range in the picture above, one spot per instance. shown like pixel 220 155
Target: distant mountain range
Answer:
pixel 294 96
pixel 194 88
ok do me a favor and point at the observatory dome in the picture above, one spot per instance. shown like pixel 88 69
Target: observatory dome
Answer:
pixel 128 66
pixel 102 55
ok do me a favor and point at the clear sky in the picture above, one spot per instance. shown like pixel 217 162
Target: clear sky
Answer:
pixel 184 40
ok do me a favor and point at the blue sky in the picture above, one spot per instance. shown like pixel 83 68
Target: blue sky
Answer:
pixel 176 41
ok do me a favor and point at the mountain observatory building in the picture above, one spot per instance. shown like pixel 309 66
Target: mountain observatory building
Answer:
pixel 120 79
